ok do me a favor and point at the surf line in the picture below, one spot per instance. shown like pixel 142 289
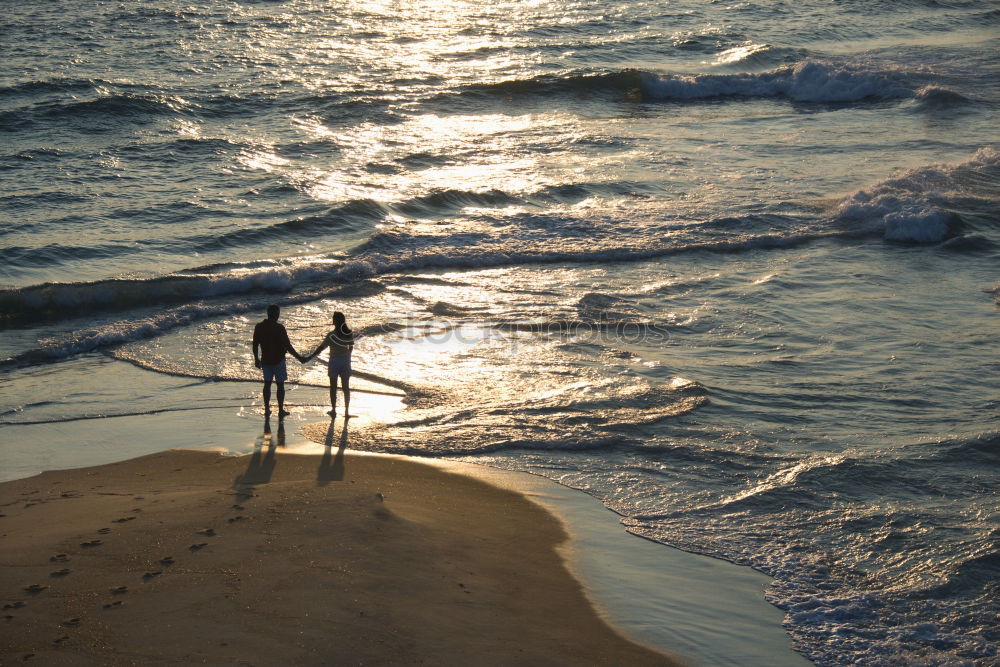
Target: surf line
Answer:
pixel 203 379
pixel 144 413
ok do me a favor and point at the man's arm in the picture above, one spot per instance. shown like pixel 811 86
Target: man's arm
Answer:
pixel 291 348
pixel 255 346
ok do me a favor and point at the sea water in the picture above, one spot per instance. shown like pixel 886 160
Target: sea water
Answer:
pixel 729 267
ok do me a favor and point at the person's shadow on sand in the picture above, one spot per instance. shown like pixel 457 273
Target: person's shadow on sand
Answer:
pixel 331 467
pixel 262 461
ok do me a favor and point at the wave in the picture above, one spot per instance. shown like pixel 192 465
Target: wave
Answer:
pixel 935 98
pixel 811 482
pixel 995 291
pixel 454 200
pixel 63 85
pixel 105 111
pixel 24 158
pixel 55 253
pixel 15 204
pixel 806 81
pixel 577 81
pixel 121 106
pixel 353 216
pixel 385 252
pixel 750 55
pixel 445 309
pixel 913 206
pixel 596 306
pixel 572 422
pixel 107 334
pixel 979 449
pixel 411 393
pixel 919 205
pixel 357 215
pixel 114 415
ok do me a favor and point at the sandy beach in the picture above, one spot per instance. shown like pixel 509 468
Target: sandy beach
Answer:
pixel 274 558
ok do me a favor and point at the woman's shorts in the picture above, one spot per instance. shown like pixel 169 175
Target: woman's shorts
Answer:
pixel 339 367
pixel 277 372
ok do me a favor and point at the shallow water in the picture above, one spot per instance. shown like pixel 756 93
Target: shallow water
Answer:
pixel 729 268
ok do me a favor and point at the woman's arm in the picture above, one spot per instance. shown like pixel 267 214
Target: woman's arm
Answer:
pixel 325 343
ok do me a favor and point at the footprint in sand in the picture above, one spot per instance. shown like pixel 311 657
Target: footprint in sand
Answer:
pixel 207 532
pixel 167 560
pixel 59 558
pixel 60 640
pixel 239 508
pixel 15 605
pixel 237 518
pixel 91 543
pixel 60 573
pixel 71 622
pixel 123 519
pixel 34 589
pixel 152 575
pixel 104 531
pixel 196 547
pixel 119 590
pixel 114 605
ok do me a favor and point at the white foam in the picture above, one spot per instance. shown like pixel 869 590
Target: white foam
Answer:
pixel 910 205
pixel 902 218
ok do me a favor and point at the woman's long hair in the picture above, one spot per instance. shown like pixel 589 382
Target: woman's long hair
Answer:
pixel 340 324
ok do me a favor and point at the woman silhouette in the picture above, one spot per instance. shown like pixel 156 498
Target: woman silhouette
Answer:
pixel 341 343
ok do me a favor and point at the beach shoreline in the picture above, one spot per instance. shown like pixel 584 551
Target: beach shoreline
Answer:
pixel 275 558
pixel 710 611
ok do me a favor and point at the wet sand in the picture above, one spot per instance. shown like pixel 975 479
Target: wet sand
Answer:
pixel 273 558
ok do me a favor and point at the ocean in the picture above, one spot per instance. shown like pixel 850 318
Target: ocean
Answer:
pixel 729 267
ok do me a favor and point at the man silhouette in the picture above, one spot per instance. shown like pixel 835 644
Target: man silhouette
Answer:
pixel 271 339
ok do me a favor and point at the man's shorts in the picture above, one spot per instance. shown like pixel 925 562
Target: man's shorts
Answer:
pixel 277 372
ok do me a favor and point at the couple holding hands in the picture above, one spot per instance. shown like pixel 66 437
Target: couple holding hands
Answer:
pixel 270 343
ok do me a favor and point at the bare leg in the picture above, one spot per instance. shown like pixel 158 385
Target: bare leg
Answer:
pixel 281 397
pixel 333 395
pixel 267 397
pixel 345 380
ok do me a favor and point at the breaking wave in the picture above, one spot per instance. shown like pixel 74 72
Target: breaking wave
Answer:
pixel 808 81
pixel 805 81
pixel 919 205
